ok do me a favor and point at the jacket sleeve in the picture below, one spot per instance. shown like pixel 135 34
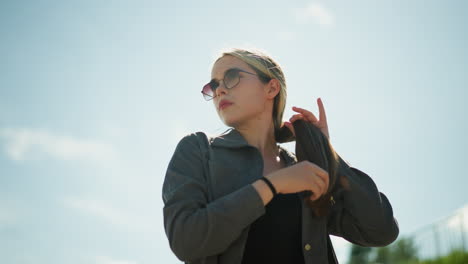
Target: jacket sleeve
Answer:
pixel 361 214
pixel 195 226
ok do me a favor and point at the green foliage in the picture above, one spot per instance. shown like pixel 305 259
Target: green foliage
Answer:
pixel 359 254
pixel 455 257
pixel 402 251
pixel 383 255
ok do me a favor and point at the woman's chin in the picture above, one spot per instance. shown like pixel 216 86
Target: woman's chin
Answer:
pixel 229 121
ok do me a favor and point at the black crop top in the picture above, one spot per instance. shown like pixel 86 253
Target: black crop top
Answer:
pixel 275 237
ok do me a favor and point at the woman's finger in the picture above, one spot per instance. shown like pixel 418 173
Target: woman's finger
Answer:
pixel 291 127
pixel 323 116
pixel 325 176
pixel 322 186
pixel 314 196
pixel 318 188
pixel 317 170
pixel 309 116
pixel 296 117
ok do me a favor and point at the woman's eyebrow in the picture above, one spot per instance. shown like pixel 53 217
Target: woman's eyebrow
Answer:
pixel 224 73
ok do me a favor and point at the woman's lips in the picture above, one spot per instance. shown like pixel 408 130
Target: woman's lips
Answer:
pixel 224 103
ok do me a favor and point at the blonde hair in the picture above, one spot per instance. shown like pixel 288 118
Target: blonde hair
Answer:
pixel 266 68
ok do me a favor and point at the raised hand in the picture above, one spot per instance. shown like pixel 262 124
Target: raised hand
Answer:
pixel 310 117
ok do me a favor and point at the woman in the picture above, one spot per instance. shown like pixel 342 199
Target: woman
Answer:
pixel 234 198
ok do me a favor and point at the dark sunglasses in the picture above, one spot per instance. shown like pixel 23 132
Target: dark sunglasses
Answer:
pixel 231 79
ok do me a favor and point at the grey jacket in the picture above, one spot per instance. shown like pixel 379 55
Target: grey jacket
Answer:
pixel 209 203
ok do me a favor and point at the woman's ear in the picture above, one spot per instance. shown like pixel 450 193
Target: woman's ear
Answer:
pixel 273 88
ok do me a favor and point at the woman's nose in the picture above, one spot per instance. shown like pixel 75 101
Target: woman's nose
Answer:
pixel 221 89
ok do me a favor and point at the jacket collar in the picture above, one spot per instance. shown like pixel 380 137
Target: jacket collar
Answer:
pixel 230 139
pixel 234 139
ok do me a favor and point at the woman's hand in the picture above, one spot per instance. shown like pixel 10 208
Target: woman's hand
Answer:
pixel 302 176
pixel 308 116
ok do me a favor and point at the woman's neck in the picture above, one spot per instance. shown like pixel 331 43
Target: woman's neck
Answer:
pixel 261 137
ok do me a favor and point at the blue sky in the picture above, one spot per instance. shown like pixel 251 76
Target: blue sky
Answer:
pixel 95 95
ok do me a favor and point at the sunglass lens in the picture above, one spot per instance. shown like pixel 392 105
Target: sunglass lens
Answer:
pixel 231 78
pixel 207 91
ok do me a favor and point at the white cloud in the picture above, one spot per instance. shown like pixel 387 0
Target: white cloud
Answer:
pixel 459 220
pixel 108 260
pixel 110 214
pixel 21 144
pixel 316 12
